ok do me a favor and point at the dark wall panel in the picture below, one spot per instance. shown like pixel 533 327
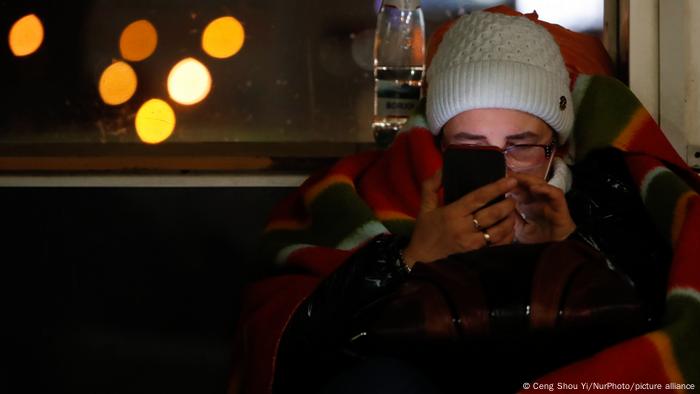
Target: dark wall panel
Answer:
pixel 126 290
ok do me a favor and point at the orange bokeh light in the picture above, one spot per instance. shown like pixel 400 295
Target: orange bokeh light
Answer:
pixel 117 83
pixel 189 82
pixel 223 37
pixel 26 35
pixel 138 41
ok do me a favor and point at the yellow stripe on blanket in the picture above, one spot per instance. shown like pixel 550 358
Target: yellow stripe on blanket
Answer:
pixel 286 225
pixel 664 348
pixel 385 216
pixel 623 140
pixel 323 184
pixel 679 215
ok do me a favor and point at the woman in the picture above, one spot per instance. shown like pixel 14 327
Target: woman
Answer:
pixel 495 80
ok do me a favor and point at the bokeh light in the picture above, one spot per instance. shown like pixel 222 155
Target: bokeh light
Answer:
pixel 585 16
pixel 117 83
pixel 155 121
pixel 26 35
pixel 223 37
pixel 138 41
pixel 189 82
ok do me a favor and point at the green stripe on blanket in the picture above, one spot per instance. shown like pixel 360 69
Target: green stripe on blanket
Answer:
pixel 337 213
pixel 403 227
pixel 339 220
pixel 606 108
pixel 275 241
pixel 683 319
pixel 661 195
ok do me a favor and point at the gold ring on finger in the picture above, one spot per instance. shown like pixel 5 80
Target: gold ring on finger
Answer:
pixel 487 238
pixel 477 226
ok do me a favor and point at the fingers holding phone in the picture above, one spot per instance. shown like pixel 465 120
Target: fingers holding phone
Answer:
pixel 451 229
pixel 475 213
pixel 544 213
pixel 474 180
pixel 496 222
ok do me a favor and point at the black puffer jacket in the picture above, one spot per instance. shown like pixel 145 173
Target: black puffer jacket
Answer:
pixel 604 204
pixel 610 215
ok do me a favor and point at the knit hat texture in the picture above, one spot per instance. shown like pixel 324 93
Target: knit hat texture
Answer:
pixel 491 60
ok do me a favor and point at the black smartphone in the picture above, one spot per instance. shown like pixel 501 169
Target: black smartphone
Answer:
pixel 468 167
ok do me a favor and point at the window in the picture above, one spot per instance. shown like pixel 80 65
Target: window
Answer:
pixel 582 16
pixel 217 80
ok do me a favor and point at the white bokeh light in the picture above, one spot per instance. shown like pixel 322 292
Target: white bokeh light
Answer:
pixel 189 82
pixel 577 15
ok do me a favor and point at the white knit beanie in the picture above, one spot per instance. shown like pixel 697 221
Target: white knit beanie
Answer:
pixel 491 60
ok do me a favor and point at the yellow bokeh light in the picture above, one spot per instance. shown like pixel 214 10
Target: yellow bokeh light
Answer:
pixel 26 35
pixel 189 82
pixel 223 37
pixel 155 121
pixel 118 83
pixel 138 41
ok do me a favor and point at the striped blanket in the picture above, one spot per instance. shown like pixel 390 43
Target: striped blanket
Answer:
pixel 315 229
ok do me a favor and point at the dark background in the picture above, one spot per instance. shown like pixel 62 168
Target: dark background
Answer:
pixel 125 290
pixel 304 72
pixel 294 79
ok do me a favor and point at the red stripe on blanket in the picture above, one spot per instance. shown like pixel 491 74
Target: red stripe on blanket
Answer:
pixel 685 270
pixel 393 183
pixel 291 208
pixel 290 213
pixel 261 350
pixel 344 171
pixel 633 361
pixel 255 369
pixel 642 135
pixel 641 166
pixel 582 54
pixel 318 260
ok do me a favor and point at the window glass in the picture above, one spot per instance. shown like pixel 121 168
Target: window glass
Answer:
pixel 584 16
pixel 177 71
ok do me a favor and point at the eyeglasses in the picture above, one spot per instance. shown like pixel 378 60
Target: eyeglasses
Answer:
pixel 526 157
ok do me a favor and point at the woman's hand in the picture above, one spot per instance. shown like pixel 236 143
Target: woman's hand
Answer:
pixel 544 214
pixel 444 230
